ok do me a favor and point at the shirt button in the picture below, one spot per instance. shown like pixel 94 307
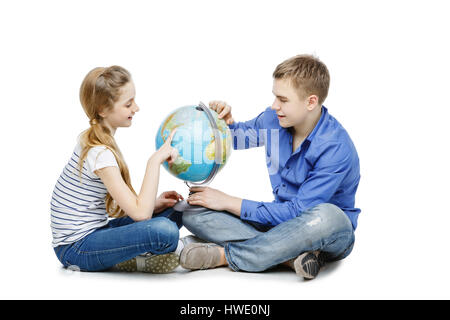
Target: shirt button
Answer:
pixel 283 185
pixel 287 167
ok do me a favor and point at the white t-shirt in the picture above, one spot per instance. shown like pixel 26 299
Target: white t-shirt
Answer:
pixel 78 205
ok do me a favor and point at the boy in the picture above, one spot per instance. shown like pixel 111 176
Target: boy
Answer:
pixel 314 172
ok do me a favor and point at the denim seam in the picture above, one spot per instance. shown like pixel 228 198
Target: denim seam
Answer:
pixel 336 236
pixel 79 251
pixel 342 233
pixel 228 257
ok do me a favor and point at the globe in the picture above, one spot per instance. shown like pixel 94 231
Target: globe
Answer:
pixel 203 142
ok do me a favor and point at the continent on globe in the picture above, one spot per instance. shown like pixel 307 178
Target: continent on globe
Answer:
pixel 195 141
pixel 179 165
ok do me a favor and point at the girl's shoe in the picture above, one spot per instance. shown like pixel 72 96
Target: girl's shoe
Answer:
pixel 161 263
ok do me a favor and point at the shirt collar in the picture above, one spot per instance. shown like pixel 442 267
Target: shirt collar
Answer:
pixel 312 134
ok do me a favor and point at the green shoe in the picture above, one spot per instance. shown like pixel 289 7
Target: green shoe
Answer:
pixel 162 263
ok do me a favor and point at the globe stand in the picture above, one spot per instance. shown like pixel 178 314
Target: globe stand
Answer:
pixel 184 206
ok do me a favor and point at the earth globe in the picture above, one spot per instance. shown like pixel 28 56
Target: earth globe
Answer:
pixel 204 145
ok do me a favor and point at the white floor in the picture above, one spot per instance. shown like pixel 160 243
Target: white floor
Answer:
pixel 365 274
pixel 389 89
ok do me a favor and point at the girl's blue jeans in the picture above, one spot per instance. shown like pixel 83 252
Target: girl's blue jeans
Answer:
pixel 254 247
pixel 120 240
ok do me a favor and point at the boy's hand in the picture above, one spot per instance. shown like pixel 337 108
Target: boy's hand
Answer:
pixel 208 197
pixel 223 109
pixel 167 200
pixel 215 200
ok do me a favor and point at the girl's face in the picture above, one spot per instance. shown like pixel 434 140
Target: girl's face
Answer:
pixel 123 110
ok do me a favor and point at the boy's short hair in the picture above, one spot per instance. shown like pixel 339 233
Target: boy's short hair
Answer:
pixel 307 74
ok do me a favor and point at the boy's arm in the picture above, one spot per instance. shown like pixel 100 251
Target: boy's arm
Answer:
pixel 321 184
pixel 248 134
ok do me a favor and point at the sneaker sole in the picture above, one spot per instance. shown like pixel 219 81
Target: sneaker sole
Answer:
pixel 163 263
pixel 127 266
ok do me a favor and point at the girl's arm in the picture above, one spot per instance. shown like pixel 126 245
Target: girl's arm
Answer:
pixel 138 207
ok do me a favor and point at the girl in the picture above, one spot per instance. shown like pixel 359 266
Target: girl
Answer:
pixel 96 182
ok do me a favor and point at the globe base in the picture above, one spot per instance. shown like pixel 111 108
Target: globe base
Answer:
pixel 183 206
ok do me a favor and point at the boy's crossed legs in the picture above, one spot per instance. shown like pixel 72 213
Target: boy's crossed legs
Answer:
pixel 252 247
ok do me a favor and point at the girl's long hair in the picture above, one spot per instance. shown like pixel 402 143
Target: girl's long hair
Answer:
pixel 99 91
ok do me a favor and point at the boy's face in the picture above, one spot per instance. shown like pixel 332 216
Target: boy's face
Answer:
pixel 291 109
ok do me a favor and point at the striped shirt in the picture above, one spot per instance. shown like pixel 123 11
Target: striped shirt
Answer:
pixel 78 205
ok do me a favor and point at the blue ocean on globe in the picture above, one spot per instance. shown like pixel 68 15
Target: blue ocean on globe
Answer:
pixel 195 142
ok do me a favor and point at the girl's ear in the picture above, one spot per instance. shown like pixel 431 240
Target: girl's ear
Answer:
pixel 102 113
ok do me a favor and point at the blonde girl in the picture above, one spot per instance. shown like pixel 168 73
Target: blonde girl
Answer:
pixel 95 184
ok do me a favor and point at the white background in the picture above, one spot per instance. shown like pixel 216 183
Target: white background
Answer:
pixel 389 68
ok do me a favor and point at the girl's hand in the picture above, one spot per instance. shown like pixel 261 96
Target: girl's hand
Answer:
pixel 167 200
pixel 223 109
pixel 166 152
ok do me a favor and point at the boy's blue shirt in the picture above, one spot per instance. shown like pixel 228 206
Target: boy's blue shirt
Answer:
pixel 323 169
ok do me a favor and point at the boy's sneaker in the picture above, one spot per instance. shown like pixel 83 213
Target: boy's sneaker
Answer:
pixel 308 265
pixel 161 263
pixel 200 256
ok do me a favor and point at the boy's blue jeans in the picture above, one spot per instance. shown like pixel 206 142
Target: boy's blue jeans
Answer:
pixel 254 247
pixel 122 239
